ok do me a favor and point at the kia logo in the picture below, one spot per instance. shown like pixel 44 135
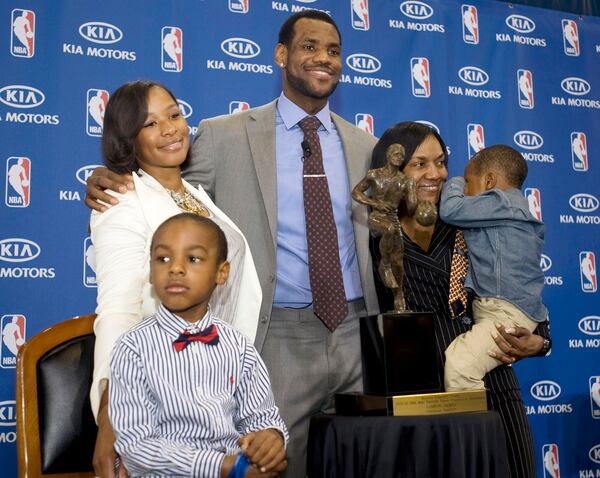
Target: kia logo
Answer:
pixel 415 9
pixel 21 96
pixel 473 75
pixel 85 172
pixel 590 325
pixel 583 202
pixel 185 108
pixel 520 23
pixel 100 32
pixel 16 249
pixel 433 126
pixel 575 86
pixel 545 263
pixel 8 413
pixel 594 453
pixel 528 139
pixel 240 48
pixel 363 63
pixel 545 390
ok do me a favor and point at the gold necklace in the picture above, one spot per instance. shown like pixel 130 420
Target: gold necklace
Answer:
pixel 185 200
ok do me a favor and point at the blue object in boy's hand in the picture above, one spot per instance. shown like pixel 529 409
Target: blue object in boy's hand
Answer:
pixel 239 467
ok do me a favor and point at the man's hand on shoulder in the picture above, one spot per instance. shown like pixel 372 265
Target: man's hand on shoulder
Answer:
pixel 265 449
pixel 101 180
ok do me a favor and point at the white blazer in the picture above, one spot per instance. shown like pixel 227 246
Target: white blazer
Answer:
pixel 121 238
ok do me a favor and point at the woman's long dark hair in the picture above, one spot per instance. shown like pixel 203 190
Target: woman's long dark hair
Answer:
pixel 409 134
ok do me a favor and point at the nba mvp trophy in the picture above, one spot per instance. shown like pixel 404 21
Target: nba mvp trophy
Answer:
pixel 400 370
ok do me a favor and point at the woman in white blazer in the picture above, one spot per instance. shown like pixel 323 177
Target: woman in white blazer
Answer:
pixel 145 134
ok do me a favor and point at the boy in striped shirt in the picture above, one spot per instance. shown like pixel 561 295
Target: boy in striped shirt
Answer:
pixel 189 395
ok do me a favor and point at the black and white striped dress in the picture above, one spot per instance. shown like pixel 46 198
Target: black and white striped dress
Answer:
pixel 426 289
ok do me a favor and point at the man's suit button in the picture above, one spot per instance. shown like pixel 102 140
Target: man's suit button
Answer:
pixel 263 319
pixel 271 278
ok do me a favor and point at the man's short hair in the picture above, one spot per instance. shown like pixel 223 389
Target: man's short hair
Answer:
pixel 222 249
pixel 286 32
pixel 502 158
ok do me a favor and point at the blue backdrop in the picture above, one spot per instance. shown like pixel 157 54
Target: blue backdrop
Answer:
pixel 483 73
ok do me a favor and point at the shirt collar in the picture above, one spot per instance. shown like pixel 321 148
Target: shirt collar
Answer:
pixel 291 113
pixel 175 325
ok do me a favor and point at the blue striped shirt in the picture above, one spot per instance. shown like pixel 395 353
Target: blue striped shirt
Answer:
pixel 180 413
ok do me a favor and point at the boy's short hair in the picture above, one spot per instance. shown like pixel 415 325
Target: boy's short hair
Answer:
pixel 504 159
pixel 222 249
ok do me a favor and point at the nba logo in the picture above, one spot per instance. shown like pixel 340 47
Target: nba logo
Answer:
pixel 587 266
pixel 550 457
pixel 595 396
pixel 364 121
pixel 570 37
pixel 18 182
pixel 172 49
pixel 525 87
pixel 238 107
pixel 534 198
pixel 12 328
pixel 89 264
pixel 475 138
pixel 96 106
pixel 360 14
pixel 470 24
pixel 239 6
pixel 22 38
pixel 579 154
pixel 421 85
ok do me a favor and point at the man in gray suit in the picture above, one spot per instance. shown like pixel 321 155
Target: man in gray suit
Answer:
pixel 251 164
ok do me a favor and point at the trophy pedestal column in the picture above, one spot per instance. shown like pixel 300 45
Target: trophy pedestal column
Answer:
pixel 398 353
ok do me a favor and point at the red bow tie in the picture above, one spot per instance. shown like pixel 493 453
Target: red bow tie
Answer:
pixel 209 336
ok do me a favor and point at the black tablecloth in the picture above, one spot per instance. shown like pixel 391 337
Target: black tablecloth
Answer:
pixel 460 445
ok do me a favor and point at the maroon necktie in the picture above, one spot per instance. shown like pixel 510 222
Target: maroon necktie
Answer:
pixel 209 336
pixel 326 281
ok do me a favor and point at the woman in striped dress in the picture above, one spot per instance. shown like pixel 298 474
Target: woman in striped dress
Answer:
pixel 427 258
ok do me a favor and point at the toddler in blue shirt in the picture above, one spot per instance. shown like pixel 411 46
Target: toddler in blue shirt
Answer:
pixel 505 245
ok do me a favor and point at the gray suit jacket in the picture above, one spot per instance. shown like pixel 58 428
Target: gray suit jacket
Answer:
pixel 233 159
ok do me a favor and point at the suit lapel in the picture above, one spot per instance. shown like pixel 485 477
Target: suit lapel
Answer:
pixel 357 164
pixel 260 129
pixel 356 169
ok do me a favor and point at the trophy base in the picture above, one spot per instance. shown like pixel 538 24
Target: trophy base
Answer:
pixel 410 405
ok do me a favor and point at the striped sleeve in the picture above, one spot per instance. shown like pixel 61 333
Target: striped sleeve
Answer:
pixel 256 409
pixel 133 414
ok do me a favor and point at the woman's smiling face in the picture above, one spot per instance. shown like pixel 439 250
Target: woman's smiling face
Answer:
pixel 427 167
